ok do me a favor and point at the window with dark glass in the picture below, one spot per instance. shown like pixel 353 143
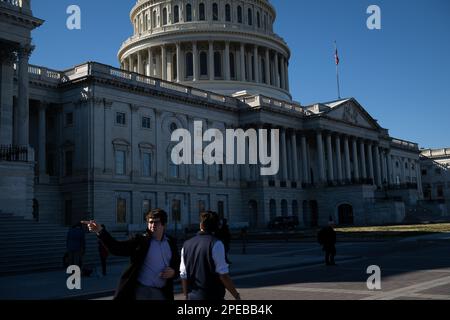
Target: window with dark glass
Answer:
pixel 120 162
pixel 217 64
pixel 201 206
pixel 220 172
pixel 69 119
pixel 201 12
pixel 239 14
pixel 164 16
pixel 221 209
pixel 121 213
pixel 147 164
pixel 215 11
pixel 203 64
pixel 146 123
pixel 227 13
pixel 200 172
pixel 258 19
pixel 189 65
pixel 250 17
pixel 176 14
pixel 188 13
pixel 154 19
pixel 120 118
pixel 176 211
pixel 146 207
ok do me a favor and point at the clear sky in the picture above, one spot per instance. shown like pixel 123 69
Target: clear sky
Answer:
pixel 400 74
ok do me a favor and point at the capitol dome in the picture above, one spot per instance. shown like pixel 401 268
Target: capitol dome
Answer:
pixel 209 44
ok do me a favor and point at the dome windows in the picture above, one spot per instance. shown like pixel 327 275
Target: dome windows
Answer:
pixel 215 12
pixel 203 64
pixel 164 16
pixel 217 64
pixel 227 13
pixel 176 14
pixel 239 14
pixel 188 12
pixel 189 65
pixel 250 17
pixel 201 12
pixel 258 19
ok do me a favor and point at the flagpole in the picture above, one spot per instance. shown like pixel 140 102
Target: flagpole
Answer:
pixel 337 70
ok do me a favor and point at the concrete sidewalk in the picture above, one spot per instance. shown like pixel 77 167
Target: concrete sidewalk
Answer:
pixel 52 285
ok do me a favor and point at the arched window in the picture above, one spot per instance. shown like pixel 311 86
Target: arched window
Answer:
pixel 239 14
pixel 295 212
pixel 176 14
pixel 250 17
pixel 232 66
pixel 145 22
pixel 189 65
pixel 258 19
pixel 265 22
pixel 203 64
pixel 217 64
pixel 227 13
pixel 164 16
pixel 284 208
pixel 154 19
pixel 188 12
pixel 215 12
pixel 201 12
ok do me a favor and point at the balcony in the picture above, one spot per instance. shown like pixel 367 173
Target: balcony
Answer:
pixel 13 153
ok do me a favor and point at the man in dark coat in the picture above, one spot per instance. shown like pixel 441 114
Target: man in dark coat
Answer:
pixel 154 260
pixel 327 238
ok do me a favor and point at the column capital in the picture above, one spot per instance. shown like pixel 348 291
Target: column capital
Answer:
pixel 8 56
pixel 25 51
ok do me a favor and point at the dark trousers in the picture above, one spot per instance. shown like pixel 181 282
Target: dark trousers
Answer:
pixel 103 261
pixel 330 252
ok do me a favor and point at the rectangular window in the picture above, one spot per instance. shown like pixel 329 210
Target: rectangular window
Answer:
pixel 173 170
pixel 69 119
pixel 68 163
pixel 121 213
pixel 120 118
pixel 146 207
pixel 220 172
pixel 120 162
pixel 146 124
pixel 440 191
pixel 147 163
pixel 220 209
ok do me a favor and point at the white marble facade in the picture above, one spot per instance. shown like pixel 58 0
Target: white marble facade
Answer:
pixel 101 135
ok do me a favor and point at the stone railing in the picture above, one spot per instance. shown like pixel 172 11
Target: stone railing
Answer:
pixel 436 153
pixel 405 144
pixel 108 72
pixel 274 103
pixel 13 153
pixel 22 4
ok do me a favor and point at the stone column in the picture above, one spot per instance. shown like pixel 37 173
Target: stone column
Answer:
pixel 139 66
pixel 7 59
pixel 23 96
pixel 286 72
pixel 348 170
pixel 294 155
pixel 370 159
pixel 267 62
pixel 284 155
pixel 163 63
pixel 256 63
pixel 179 67
pixel 211 61
pixel 42 141
pixel 195 61
pixel 150 63
pixel 419 180
pixel 227 61
pixel 130 64
pixel 384 164
pixel 355 159
pixel 277 71
pixel 283 75
pixel 125 65
pixel 339 158
pixel 249 67
pixel 378 167
pixel 242 54
pixel 321 163
pixel 362 149
pixel 390 167
pixel 305 160
pixel 330 158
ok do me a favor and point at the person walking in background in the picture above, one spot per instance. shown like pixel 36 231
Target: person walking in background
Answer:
pixel 154 259
pixel 76 245
pixel 327 239
pixel 204 272
pixel 224 235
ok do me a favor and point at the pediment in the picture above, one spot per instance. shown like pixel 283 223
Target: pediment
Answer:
pixel 352 112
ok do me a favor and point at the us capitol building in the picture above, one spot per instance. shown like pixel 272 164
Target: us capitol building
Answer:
pixel 93 141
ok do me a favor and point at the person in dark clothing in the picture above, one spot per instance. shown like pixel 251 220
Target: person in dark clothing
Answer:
pixel 327 238
pixel 223 234
pixel 103 253
pixel 76 244
pixel 203 270
pixel 154 260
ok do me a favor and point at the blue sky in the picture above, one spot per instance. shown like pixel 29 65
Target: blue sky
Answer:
pixel 400 74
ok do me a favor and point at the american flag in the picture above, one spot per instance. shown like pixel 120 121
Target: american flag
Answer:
pixel 336 57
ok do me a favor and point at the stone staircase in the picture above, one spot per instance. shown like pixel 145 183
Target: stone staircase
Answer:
pixel 29 246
